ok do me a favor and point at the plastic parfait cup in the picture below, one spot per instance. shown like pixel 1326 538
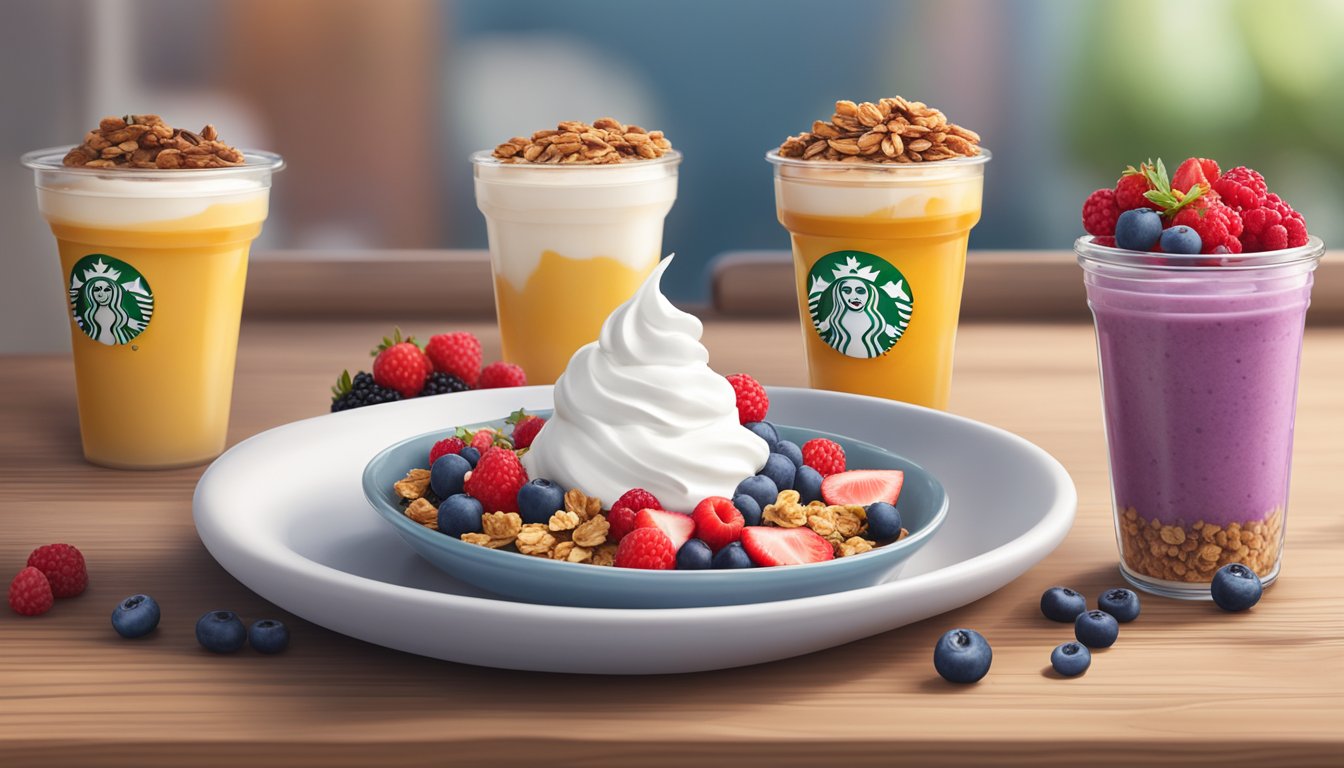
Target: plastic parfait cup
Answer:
pixel 1199 361
pixel 879 253
pixel 153 264
pixel 568 244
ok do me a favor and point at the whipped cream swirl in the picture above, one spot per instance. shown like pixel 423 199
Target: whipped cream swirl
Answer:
pixel 641 408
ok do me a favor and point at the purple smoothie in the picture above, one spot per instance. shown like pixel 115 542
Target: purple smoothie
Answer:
pixel 1199 383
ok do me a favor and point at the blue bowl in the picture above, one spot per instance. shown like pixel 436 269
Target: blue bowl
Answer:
pixel 922 504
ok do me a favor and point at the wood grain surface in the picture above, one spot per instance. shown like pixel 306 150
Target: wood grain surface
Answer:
pixel 1186 685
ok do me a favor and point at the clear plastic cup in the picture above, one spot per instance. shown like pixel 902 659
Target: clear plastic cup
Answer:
pixel 879 253
pixel 568 244
pixel 1199 364
pixel 153 264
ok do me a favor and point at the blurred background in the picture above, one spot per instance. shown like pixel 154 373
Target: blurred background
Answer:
pixel 377 104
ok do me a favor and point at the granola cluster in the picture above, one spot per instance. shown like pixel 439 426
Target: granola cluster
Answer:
pixel 843 526
pixel 1194 553
pixel 605 141
pixel 145 141
pixel 893 130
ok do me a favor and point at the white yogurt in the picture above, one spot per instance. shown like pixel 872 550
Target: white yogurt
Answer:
pixel 912 190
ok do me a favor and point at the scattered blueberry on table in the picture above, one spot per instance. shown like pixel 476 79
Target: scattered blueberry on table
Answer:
pixel 1062 604
pixel 1071 659
pixel 1096 629
pixel 1121 603
pixel 962 656
pixel 1235 587
pixel 268 636
pixel 136 616
pixel 221 632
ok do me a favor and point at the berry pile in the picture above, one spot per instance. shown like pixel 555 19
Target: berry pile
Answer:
pixel 1198 210
pixel 449 362
pixel 802 507
pixel 52 571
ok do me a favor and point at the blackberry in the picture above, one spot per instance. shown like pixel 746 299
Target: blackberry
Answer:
pixel 440 383
pixel 359 392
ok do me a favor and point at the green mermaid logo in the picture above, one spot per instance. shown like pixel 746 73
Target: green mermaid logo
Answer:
pixel 109 299
pixel 860 305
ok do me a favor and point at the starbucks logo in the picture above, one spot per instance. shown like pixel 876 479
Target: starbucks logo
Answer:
pixel 110 300
pixel 860 304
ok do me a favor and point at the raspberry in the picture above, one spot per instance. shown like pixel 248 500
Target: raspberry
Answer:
pixel 501 374
pixel 623 512
pixel 1108 242
pixel 64 568
pixel 1129 192
pixel 1292 220
pixel 824 456
pixel 1217 225
pixel 1100 212
pixel 399 364
pixel 457 354
pixel 445 447
pixel 752 402
pixel 496 479
pixel 30 593
pixel 1272 227
pixel 717 522
pixel 647 548
pixel 525 431
pixel 1241 188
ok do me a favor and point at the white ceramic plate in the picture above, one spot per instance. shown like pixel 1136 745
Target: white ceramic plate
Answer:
pixel 285 514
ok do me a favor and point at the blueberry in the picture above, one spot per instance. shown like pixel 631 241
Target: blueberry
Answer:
pixel 1062 604
pixel 694 555
pixel 1071 659
pixel 470 454
pixel 808 485
pixel 790 449
pixel 779 469
pixel 268 636
pixel 760 488
pixel 749 507
pixel 540 499
pixel 136 616
pixel 459 514
pixel 1096 629
pixel 731 556
pixel 884 522
pixel 221 632
pixel 1138 229
pixel 764 430
pixel 445 477
pixel 1123 604
pixel 1181 239
pixel 1235 587
pixel 962 656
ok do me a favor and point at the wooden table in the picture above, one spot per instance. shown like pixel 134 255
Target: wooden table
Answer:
pixel 1185 685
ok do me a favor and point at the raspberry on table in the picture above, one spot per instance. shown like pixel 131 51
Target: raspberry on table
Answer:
pixel 501 374
pixel 1100 212
pixel 30 593
pixel 496 479
pixel 1217 226
pixel 1241 188
pixel 457 354
pixel 752 402
pixel 63 566
pixel 825 456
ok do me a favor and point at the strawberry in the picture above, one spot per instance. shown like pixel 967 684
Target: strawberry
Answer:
pixel 1131 188
pixel 496 479
pixel 457 354
pixel 501 374
pixel 752 402
pixel 863 486
pixel 676 526
pixel 717 522
pixel 646 548
pixel 1196 171
pixel 444 447
pixel 483 439
pixel 525 428
pixel 825 456
pixel 767 545
pixel 63 566
pixel 400 365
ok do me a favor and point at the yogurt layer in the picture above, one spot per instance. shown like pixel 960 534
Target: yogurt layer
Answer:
pixel 103 201
pixel 641 408
pixel 885 191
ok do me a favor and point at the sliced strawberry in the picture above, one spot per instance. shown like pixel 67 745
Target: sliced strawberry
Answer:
pixel 717 522
pixel 863 486
pixel 677 526
pixel 767 545
pixel 1197 170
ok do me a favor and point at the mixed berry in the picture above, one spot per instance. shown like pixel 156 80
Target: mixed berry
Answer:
pixel 803 506
pixel 402 369
pixel 1199 210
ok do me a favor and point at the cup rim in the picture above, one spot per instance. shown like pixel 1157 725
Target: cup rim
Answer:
pixel 1089 253
pixel 49 159
pixel 486 157
pixel 774 158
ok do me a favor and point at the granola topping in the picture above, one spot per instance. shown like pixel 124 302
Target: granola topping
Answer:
pixel 145 141
pixel 894 130
pixel 606 141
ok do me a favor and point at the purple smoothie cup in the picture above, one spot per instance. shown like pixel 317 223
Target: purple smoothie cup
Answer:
pixel 1199 360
